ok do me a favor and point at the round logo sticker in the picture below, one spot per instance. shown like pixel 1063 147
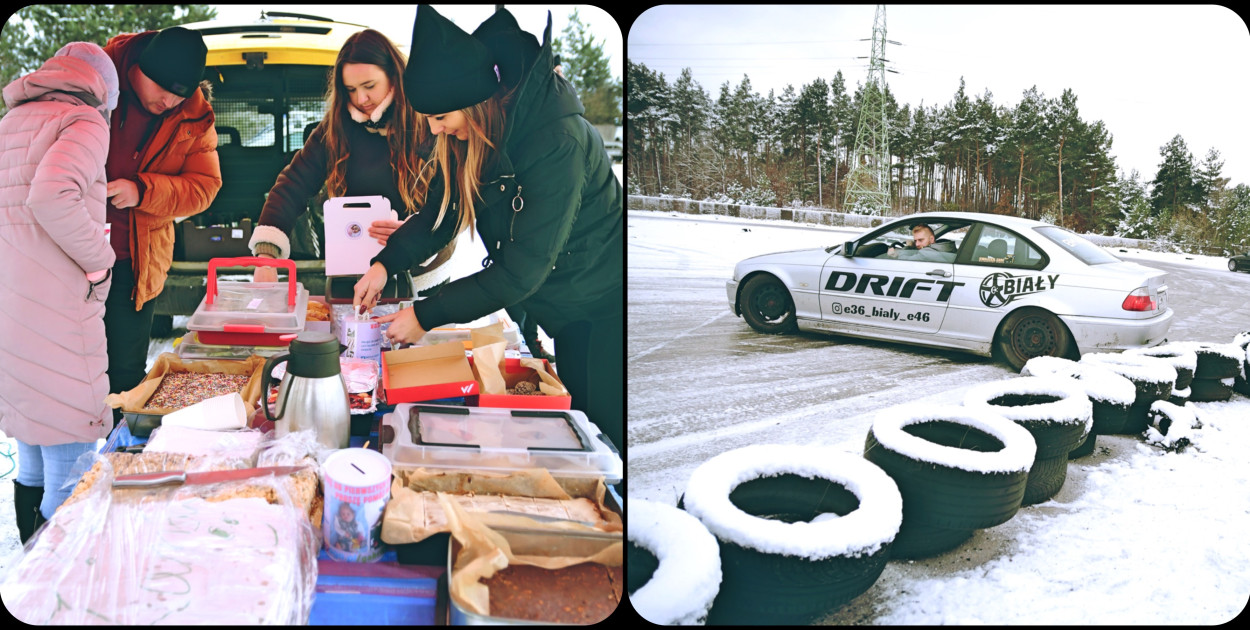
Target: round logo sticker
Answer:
pixel 354 230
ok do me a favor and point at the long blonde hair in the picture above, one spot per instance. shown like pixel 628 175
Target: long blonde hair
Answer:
pixel 463 162
pixel 407 127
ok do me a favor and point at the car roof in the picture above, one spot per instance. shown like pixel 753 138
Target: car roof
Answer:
pixel 304 40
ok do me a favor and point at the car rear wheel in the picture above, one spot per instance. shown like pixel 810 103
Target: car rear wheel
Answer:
pixel 1029 333
pixel 1232 265
pixel 767 306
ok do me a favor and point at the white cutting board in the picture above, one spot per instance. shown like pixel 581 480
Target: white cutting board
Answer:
pixel 348 244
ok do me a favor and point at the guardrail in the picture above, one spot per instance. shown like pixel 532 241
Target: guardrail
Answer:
pixel 819 216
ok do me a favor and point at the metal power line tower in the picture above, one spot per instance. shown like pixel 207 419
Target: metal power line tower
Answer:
pixel 868 184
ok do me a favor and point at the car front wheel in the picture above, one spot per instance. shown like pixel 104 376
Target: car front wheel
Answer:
pixel 1029 333
pixel 767 306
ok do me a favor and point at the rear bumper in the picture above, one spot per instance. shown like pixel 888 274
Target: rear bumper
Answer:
pixel 1096 334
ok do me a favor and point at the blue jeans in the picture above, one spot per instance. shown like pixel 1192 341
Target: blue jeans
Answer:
pixel 49 466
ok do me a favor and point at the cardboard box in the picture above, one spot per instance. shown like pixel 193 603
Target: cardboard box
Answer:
pixel 427 373
pixel 514 373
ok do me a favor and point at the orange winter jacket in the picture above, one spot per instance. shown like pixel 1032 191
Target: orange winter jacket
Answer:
pixel 179 170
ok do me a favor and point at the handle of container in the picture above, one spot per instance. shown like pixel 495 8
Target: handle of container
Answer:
pixel 266 379
pixel 251 261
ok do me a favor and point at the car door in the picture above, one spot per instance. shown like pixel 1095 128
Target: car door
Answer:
pixel 868 293
pixel 998 268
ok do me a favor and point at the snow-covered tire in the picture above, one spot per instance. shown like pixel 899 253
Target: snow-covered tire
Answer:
pixel 1111 394
pixel 1084 448
pixel 767 306
pixel 1171 426
pixel 674 564
pixel 1153 378
pixel 957 468
pixel 1182 357
pixel 1217 360
pixel 1054 410
pixel 922 541
pixel 1210 389
pixel 793 567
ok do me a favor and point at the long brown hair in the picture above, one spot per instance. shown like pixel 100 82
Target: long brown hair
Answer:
pixel 407 127
pixel 462 162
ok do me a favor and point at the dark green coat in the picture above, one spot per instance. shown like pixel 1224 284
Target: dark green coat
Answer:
pixel 560 254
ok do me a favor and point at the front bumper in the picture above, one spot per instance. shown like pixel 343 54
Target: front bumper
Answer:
pixel 731 289
pixel 1097 334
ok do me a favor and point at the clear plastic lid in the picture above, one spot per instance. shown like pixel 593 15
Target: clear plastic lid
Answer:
pixel 564 442
pixel 191 348
pixel 252 304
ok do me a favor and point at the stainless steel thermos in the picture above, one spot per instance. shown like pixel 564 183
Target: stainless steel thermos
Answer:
pixel 313 394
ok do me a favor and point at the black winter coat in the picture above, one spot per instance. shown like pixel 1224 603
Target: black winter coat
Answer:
pixel 550 217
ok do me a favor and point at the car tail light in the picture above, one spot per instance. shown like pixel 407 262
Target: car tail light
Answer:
pixel 1139 300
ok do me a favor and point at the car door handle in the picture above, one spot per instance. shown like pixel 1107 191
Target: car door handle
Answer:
pixel 942 273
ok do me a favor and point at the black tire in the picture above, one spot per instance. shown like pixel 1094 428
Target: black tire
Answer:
pixel 1153 379
pixel 1209 390
pixel 1086 448
pixel 938 493
pixel 689 574
pixel 777 577
pixel 1241 386
pixel 1216 361
pixel 1055 411
pixel 1032 332
pixel 1109 417
pixel 1110 393
pixel 1232 265
pixel 766 305
pixel 1045 479
pixel 923 541
pixel 1181 356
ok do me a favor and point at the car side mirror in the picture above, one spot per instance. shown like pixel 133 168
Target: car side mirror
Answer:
pixel 848 249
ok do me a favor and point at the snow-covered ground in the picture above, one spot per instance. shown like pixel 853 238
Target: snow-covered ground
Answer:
pixel 1137 535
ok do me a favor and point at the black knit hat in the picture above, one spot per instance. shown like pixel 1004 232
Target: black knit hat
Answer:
pixel 448 69
pixel 174 59
pixel 514 49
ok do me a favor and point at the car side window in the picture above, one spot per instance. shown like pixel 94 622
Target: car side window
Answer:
pixel 1000 247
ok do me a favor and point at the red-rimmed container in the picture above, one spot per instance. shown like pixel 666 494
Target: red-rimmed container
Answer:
pixel 250 313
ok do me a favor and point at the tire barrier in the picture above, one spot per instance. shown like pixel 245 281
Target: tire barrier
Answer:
pixel 1170 426
pixel 1180 356
pixel 674 564
pixel 1241 382
pixel 1110 394
pixel 1153 378
pixel 802 529
pixel 1211 389
pixel 1054 410
pixel 958 470
pixel 1217 360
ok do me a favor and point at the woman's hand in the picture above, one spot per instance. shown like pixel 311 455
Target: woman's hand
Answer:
pixel 404 326
pixel 383 229
pixel 265 274
pixel 368 287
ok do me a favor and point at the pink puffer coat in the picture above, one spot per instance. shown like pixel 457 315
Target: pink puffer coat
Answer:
pixel 52 192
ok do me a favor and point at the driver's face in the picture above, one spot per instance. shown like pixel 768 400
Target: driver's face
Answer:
pixel 923 236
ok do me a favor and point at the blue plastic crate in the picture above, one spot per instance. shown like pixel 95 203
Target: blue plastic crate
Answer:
pixel 378 593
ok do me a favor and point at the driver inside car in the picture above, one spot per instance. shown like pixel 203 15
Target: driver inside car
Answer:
pixel 924 248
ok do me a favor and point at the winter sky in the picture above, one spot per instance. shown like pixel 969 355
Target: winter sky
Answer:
pixel 395 20
pixel 1148 72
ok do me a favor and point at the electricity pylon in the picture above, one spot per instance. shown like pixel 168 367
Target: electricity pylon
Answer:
pixel 868 184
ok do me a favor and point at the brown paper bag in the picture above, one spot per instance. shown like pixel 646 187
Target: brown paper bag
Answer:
pixel 134 399
pixel 488 354
pixel 485 551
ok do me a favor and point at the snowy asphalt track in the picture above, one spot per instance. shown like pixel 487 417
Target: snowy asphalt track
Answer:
pixel 1135 536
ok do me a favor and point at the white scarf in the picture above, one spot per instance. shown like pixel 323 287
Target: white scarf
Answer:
pixel 371 122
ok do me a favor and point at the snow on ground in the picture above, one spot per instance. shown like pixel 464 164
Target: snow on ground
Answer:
pixel 1136 535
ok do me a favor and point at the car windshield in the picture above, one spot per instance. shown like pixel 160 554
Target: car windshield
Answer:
pixel 1086 251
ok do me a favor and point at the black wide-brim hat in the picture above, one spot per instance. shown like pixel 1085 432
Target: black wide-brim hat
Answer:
pixel 174 59
pixel 448 69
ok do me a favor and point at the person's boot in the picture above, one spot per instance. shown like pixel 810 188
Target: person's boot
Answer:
pixel 26 500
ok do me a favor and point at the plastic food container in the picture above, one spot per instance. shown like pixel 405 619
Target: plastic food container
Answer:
pixel 530 543
pixel 503 440
pixel 250 313
pixel 190 348
pixel 464 332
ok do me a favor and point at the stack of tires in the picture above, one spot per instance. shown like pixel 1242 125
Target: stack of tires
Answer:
pixel 1055 411
pixel 958 470
pixel 1154 379
pixel 1241 382
pixel 1110 394
pixel 802 530
pixel 1218 366
pixel 674 564
pixel 1182 358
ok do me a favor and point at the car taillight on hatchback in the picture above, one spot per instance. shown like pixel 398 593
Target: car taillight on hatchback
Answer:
pixel 1140 300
